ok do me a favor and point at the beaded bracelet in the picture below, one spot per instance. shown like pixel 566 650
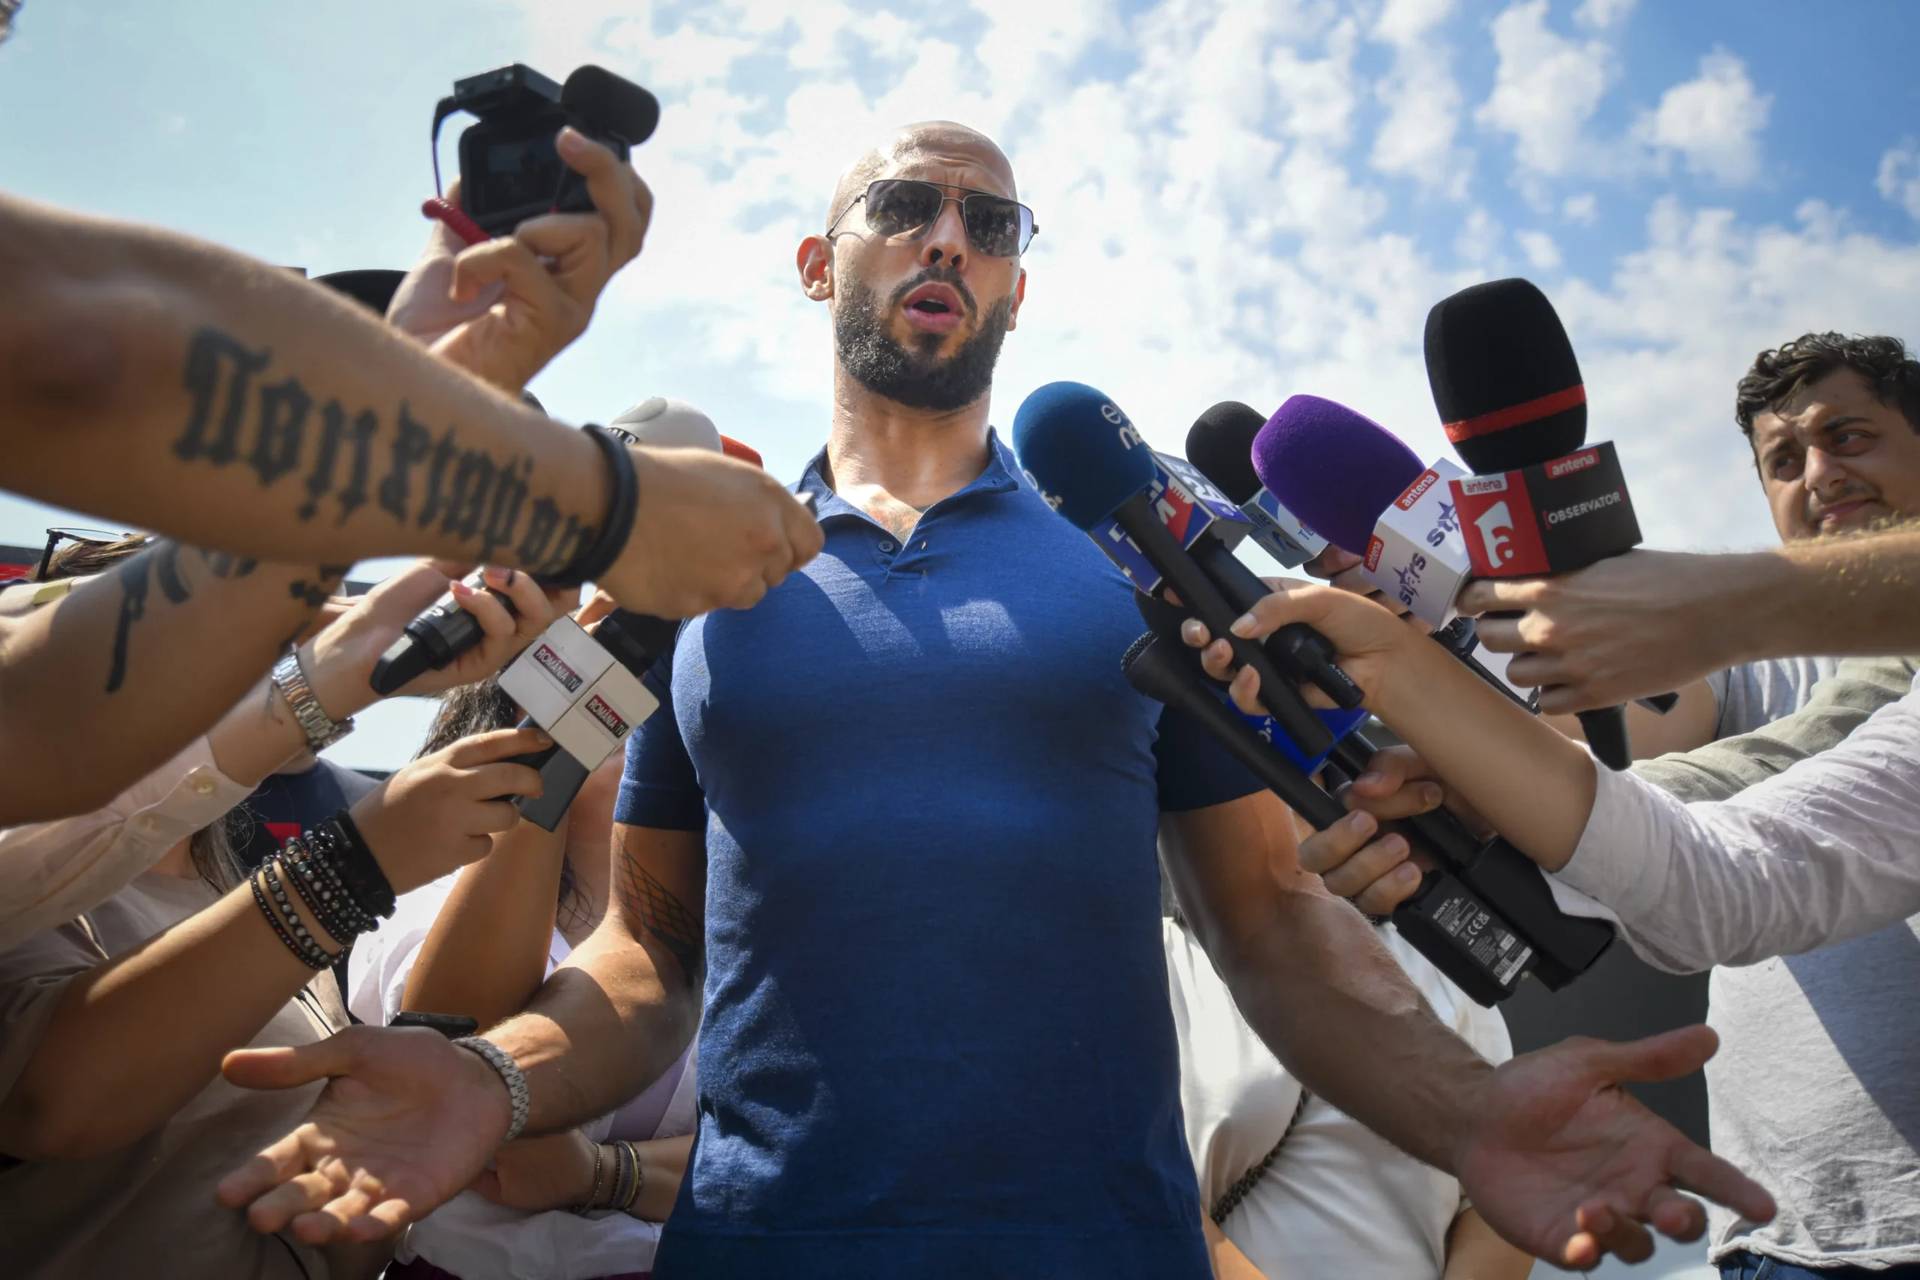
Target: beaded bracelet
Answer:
pixel 315 955
pixel 306 953
pixel 314 880
pixel 623 1184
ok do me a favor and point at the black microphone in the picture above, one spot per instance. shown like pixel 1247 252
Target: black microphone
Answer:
pixel 1220 444
pixel 1446 921
pixel 1509 392
pixel 1508 883
pixel 1159 526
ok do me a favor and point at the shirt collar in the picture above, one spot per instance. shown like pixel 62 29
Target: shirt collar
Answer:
pixel 997 477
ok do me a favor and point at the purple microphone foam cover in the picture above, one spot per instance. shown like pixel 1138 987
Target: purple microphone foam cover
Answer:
pixel 1334 469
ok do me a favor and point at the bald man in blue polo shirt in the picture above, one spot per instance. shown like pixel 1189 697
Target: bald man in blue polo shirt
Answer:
pixel 900 821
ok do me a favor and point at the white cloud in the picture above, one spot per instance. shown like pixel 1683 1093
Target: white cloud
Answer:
pixel 1542 253
pixel 1598 15
pixel 1546 89
pixel 1713 121
pixel 1899 176
pixel 1207 233
pixel 1422 98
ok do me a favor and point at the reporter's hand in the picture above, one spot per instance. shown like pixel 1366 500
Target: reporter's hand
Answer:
pixel 441 811
pixel 504 308
pixel 1368 637
pixel 554 1171
pixel 344 653
pixel 710 533
pixel 1636 624
pixel 406 1121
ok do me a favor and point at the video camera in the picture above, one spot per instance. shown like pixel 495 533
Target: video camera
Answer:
pixel 510 169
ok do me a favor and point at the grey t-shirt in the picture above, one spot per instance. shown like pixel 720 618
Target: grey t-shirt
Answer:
pixel 1816 1088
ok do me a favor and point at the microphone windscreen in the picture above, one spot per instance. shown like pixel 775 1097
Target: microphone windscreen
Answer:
pixel 1334 469
pixel 1503 376
pixel 612 103
pixel 1080 451
pixel 1220 444
pixel 744 452
pixel 670 424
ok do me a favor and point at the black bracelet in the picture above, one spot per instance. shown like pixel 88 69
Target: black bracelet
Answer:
pixel 622 504
pixel 325 897
pixel 285 922
pixel 359 870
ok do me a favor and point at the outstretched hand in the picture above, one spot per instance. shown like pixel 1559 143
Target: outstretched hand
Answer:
pixel 1570 1167
pixel 407 1120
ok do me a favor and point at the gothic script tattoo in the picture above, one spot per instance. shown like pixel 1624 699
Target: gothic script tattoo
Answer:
pixel 661 914
pixel 247 413
pixel 159 563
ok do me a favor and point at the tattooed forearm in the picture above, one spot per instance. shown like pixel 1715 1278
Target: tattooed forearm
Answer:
pixel 161 565
pixel 654 907
pixel 283 431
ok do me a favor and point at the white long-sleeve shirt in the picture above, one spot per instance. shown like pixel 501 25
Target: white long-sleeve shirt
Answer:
pixel 1826 851
pixel 50 872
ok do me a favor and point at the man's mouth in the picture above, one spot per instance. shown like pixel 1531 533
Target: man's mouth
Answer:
pixel 1845 515
pixel 933 308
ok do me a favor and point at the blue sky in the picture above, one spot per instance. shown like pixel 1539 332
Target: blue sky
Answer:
pixel 1244 200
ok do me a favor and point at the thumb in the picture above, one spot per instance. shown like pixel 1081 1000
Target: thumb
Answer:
pixel 502 261
pixel 1666 1056
pixel 291 1065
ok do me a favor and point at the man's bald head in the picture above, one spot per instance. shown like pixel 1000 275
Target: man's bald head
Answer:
pixel 925 140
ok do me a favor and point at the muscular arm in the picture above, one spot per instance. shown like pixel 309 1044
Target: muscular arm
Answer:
pixel 623 1006
pixel 1315 984
pixel 245 409
pixel 129 666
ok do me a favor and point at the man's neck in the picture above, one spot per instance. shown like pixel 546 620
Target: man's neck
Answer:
pixel 893 462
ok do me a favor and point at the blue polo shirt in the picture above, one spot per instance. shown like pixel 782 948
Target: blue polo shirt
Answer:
pixel 937 1040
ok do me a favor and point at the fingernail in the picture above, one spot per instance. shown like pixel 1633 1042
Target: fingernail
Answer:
pixel 1406 873
pixel 1372 777
pixel 1395 843
pixel 461 591
pixel 1243 625
pixel 1431 793
pixel 1362 822
pixel 570 139
pixel 1192 632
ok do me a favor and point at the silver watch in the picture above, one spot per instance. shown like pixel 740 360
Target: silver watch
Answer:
pixel 290 678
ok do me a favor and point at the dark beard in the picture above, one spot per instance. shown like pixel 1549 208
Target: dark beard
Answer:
pixel 915 378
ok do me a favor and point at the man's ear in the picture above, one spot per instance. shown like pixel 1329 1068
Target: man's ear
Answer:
pixel 1019 296
pixel 815 261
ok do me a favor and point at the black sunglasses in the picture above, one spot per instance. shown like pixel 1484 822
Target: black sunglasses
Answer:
pixel 906 207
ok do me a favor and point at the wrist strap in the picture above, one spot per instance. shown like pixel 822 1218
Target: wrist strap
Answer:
pixel 623 502
pixel 509 1072
pixel 366 884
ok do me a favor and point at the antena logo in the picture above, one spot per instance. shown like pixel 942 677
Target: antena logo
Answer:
pixel 1414 491
pixel 1572 462
pixel 1374 547
pixel 1496 534
pixel 1483 484
pixel 557 667
pixel 601 710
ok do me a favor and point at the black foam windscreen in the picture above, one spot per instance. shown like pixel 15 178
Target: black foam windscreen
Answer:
pixel 1220 443
pixel 612 103
pixel 1504 377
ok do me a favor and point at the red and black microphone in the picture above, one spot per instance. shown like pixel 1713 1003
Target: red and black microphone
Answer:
pixel 1541 500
